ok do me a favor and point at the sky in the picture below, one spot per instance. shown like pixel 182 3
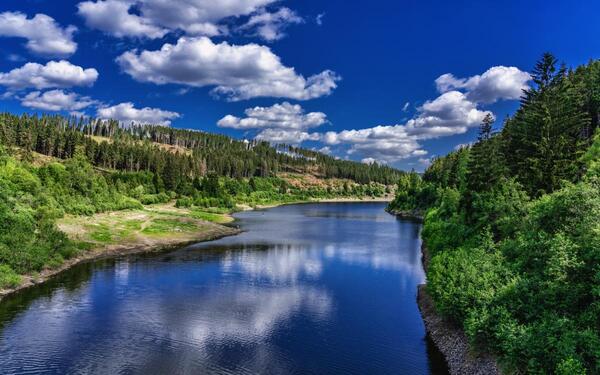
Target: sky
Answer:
pixel 389 81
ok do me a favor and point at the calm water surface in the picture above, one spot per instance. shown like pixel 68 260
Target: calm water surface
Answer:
pixel 307 289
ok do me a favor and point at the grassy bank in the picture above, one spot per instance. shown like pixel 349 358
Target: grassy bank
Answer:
pixel 148 229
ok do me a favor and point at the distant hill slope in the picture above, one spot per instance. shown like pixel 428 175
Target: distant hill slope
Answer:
pixel 174 153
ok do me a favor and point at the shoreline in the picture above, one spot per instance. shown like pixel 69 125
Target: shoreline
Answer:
pixel 324 200
pixel 154 245
pixel 450 340
pixel 146 246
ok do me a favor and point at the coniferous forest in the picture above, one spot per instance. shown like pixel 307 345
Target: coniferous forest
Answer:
pixel 51 166
pixel 512 225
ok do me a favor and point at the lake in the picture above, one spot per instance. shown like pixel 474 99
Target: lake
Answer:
pixel 325 288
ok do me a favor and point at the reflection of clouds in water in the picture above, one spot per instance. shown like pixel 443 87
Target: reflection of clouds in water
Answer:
pixel 279 264
pixel 390 260
pixel 227 318
pixel 252 314
pixel 121 272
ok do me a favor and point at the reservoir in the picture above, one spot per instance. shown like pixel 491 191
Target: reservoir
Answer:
pixel 326 288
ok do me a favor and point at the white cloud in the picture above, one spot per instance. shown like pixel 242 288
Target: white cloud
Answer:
pixel 425 162
pixel 113 17
pixel 498 82
pixel 373 161
pixel 325 150
pixel 386 143
pixel 270 26
pixel 127 114
pixel 154 18
pixel 55 74
pixel 280 123
pixel 237 72
pixel 56 100
pixel 279 116
pixel 405 107
pixel 462 145
pixel 287 136
pixel 450 113
pixel 319 19
pixel 453 112
pixel 44 36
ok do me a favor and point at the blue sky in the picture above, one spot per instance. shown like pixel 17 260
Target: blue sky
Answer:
pixel 392 81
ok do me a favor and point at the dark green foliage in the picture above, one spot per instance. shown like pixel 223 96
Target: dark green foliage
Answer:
pixel 175 155
pixel 521 275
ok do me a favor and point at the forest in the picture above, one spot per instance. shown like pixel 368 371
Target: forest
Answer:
pixel 512 225
pixel 51 166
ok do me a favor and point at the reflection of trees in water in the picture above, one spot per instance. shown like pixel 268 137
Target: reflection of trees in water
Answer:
pixel 69 282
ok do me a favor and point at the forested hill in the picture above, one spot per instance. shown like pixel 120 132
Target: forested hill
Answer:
pixel 174 154
pixel 54 168
pixel 513 227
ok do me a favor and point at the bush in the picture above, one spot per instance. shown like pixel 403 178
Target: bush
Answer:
pixel 184 202
pixel 8 277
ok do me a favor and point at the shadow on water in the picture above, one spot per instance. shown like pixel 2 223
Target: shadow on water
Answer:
pixel 69 281
pixel 437 362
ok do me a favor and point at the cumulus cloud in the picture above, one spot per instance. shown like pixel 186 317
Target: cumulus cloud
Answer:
pixel 449 114
pixel 236 72
pixel 280 123
pixel 279 116
pixel 127 114
pixel 270 26
pixel 498 82
pixel 154 18
pixel 56 100
pixel 44 36
pixel 113 17
pixel 372 161
pixel 454 111
pixel 55 74
pixel 287 136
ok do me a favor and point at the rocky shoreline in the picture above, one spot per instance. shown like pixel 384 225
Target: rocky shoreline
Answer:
pixel 416 215
pixel 450 340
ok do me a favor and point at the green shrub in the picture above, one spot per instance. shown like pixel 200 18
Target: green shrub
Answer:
pixel 8 277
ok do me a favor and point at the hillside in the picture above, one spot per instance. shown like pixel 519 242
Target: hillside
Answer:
pixel 166 183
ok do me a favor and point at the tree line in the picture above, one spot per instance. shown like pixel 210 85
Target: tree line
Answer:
pixel 186 153
pixel 513 226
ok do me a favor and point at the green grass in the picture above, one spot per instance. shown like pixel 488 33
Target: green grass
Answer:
pixel 105 233
pixel 166 226
pixel 101 233
pixel 210 216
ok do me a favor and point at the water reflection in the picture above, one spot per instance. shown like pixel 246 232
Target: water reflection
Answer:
pixel 306 289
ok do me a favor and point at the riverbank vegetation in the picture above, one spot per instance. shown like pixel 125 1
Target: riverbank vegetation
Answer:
pixel 55 169
pixel 513 226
